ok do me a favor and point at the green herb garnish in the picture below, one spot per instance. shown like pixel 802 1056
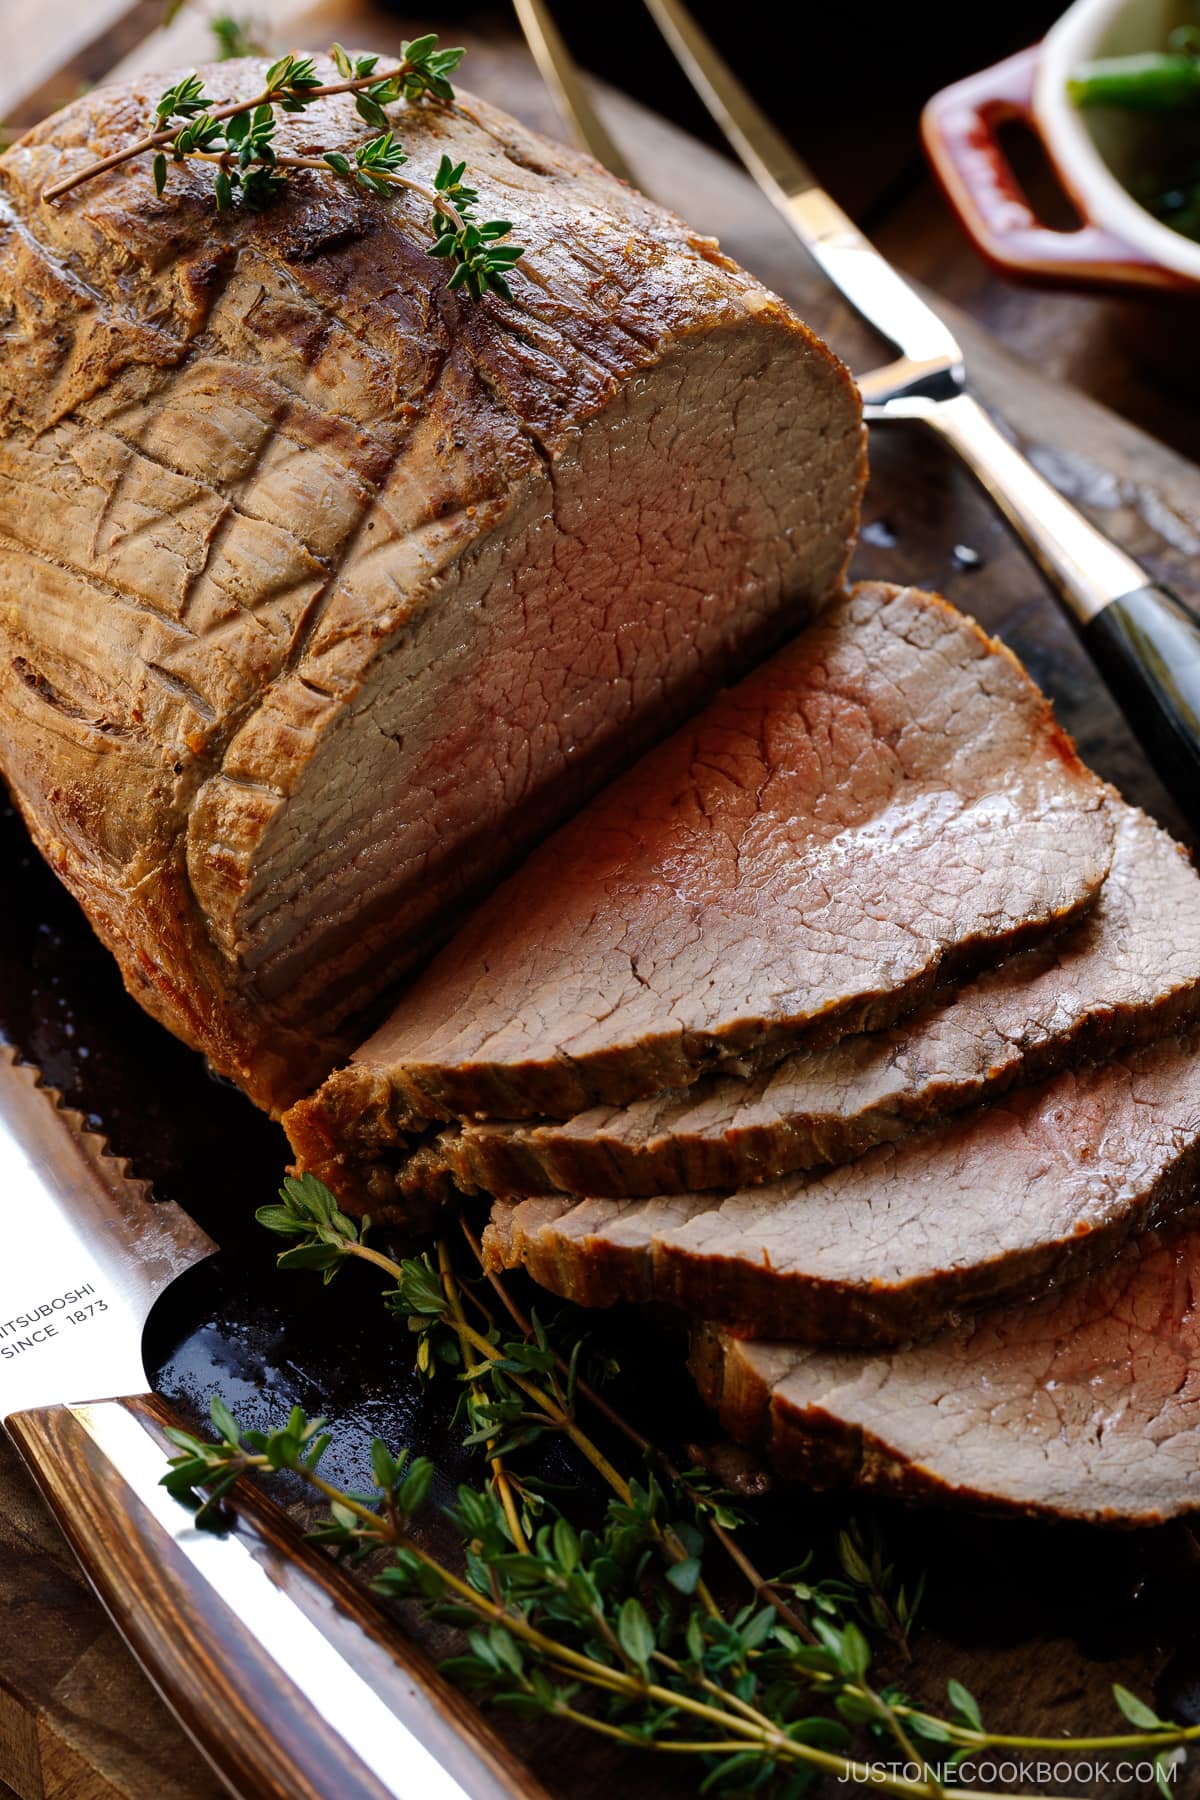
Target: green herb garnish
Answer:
pixel 611 1624
pixel 238 139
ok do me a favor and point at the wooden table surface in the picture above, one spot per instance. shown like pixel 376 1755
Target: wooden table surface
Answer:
pixel 80 1722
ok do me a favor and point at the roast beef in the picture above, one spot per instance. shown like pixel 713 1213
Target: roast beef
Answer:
pixel 884 800
pixel 323 590
pixel 1130 971
pixel 1085 1404
pixel 1046 1183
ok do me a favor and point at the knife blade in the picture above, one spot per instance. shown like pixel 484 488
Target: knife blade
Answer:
pixel 1144 641
pixel 274 1661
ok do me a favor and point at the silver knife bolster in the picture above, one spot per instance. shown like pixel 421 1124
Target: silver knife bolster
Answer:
pixel 1141 636
pixel 1086 567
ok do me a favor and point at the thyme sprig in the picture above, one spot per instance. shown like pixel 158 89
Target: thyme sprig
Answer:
pixel 613 1627
pixel 869 1588
pixel 568 1615
pixel 531 1390
pixel 238 139
pixel 566 1618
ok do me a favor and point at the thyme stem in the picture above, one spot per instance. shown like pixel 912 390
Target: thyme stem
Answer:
pixel 225 160
pixel 158 140
pixel 502 1484
pixel 551 1408
pixel 733 1715
pixel 758 1583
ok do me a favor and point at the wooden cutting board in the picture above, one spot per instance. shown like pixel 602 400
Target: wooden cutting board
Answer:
pixel 76 1718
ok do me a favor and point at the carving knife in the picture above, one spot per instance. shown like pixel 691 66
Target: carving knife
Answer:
pixel 285 1675
pixel 1144 640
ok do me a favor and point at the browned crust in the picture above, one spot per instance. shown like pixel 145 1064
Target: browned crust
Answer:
pixel 755 1300
pixel 113 297
pixel 516 1164
pixel 813 1448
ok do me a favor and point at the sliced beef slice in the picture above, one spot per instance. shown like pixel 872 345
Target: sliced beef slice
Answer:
pixel 1130 971
pixel 1083 1405
pixel 886 799
pixel 324 592
pixel 1046 1183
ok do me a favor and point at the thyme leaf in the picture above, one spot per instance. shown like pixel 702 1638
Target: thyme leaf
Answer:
pixel 238 139
pixel 609 1623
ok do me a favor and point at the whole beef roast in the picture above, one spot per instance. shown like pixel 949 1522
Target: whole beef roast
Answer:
pixel 1046 1183
pixel 323 591
pixel 886 799
pixel 1085 1405
pixel 1129 972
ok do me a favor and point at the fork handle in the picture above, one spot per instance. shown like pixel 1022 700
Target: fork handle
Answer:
pixel 1144 641
pixel 272 1659
pixel 1147 647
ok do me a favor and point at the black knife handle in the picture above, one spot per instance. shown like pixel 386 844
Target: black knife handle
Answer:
pixel 1144 641
pixel 274 1661
pixel 1147 647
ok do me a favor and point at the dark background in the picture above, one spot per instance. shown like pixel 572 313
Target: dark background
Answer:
pixel 811 66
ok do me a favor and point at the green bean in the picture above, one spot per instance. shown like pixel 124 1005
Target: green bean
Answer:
pixel 1151 83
